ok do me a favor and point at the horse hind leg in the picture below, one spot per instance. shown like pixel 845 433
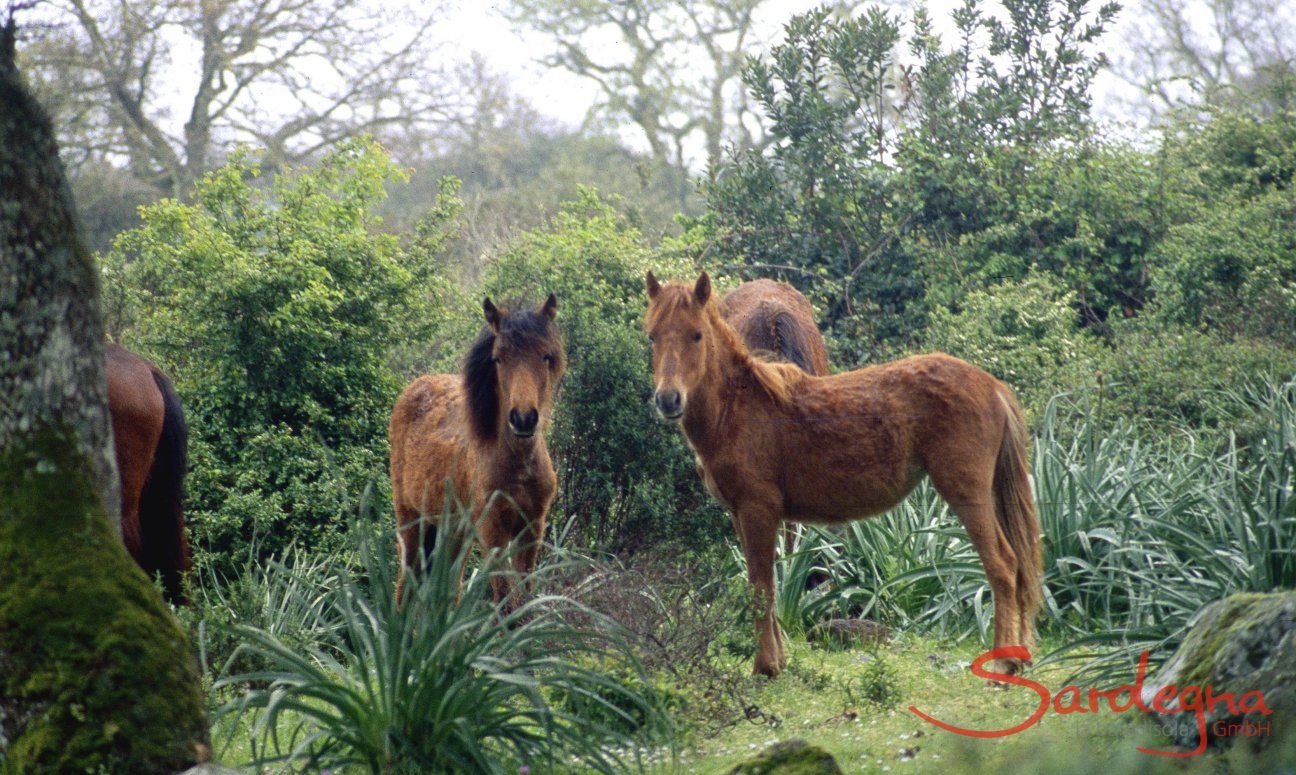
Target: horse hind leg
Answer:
pixel 1000 563
pixel 971 497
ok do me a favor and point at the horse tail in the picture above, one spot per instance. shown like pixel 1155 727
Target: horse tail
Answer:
pixel 1015 508
pixel 161 511
pixel 790 341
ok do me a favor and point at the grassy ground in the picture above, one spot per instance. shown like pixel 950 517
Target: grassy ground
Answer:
pixel 820 699
pixel 854 704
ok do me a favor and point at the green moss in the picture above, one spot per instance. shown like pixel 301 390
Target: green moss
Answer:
pixel 98 674
pixel 1230 616
pixel 794 757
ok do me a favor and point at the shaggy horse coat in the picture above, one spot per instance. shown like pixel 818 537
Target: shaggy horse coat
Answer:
pixel 481 432
pixel 150 440
pixel 777 444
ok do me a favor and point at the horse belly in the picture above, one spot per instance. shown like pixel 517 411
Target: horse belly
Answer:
pixel 827 489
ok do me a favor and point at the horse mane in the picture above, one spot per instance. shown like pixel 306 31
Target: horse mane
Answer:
pixel 481 387
pixel 523 329
pixel 775 380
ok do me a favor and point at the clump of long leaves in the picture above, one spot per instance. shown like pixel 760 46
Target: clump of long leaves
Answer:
pixel 1140 534
pixel 447 682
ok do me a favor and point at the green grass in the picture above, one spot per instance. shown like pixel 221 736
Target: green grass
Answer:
pixel 819 699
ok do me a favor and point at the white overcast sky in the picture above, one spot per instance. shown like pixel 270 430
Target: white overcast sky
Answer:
pixel 479 27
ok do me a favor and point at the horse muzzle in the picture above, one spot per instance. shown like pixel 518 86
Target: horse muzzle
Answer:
pixel 670 404
pixel 523 424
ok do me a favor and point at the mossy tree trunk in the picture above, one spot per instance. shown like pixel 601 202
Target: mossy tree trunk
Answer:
pixel 95 673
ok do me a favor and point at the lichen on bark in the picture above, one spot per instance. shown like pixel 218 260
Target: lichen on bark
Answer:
pixel 95 673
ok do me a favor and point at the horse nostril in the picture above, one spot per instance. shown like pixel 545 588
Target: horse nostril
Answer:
pixel 524 422
pixel 668 401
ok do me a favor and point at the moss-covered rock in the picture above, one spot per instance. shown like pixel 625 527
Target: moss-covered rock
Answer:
pixel 96 675
pixel 791 757
pixel 1241 644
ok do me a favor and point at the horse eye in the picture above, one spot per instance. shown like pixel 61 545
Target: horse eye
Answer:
pixel 495 359
pixel 697 336
pixel 651 339
pixel 549 359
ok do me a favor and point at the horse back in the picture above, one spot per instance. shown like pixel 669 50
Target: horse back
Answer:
pixel 775 318
pixel 854 444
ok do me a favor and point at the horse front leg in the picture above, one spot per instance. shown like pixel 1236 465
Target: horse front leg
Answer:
pixel 758 530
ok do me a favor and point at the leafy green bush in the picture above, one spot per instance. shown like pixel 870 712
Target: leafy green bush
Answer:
pixel 626 477
pixel 276 311
pixel 447 682
pixel 1174 377
pixel 1025 333
pixel 895 185
pixel 1233 268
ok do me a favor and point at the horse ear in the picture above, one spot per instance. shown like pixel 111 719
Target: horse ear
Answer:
pixel 653 285
pixel 492 314
pixel 702 290
pixel 550 307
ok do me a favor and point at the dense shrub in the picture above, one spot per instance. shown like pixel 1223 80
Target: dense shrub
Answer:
pixel 894 185
pixel 1233 268
pixel 276 311
pixel 1174 377
pixel 626 477
pixel 1025 333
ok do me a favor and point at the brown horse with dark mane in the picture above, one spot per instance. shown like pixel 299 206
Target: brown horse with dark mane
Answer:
pixel 150 439
pixel 481 432
pixel 773 319
pixel 776 444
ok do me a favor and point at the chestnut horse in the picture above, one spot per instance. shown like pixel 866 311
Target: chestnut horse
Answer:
pixel 482 433
pixel 774 319
pixel 150 440
pixel 775 444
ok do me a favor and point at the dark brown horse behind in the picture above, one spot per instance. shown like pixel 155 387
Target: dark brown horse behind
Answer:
pixel 483 433
pixel 774 319
pixel 150 439
pixel 776 444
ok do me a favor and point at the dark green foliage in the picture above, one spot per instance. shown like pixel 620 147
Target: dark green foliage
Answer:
pixel 890 186
pixel 626 477
pixel 794 757
pixel 112 685
pixel 1025 333
pixel 278 312
pixel 1175 377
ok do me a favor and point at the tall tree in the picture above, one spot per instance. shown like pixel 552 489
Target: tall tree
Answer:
pixel 1220 51
pixel 95 673
pixel 289 76
pixel 675 73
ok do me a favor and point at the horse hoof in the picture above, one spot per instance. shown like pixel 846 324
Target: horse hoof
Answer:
pixel 769 670
pixel 1006 667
